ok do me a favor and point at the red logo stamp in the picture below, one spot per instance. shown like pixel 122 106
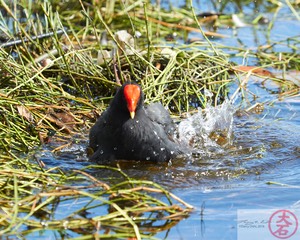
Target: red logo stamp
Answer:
pixel 283 224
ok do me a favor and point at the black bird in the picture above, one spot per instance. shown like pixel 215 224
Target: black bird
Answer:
pixel 128 130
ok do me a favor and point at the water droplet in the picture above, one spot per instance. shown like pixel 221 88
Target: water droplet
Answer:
pixel 162 149
pixel 115 148
pixel 132 150
pixel 155 132
pixel 172 152
pixel 101 152
pixel 137 121
pixel 196 129
pixel 147 158
pixel 131 127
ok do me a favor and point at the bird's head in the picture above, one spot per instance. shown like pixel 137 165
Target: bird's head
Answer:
pixel 132 94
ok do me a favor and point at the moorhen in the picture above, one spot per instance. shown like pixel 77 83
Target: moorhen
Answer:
pixel 128 130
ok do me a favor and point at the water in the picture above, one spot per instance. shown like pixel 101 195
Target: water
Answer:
pixel 239 150
pixel 256 147
pixel 197 129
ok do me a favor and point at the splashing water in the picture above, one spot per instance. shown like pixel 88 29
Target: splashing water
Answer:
pixel 207 128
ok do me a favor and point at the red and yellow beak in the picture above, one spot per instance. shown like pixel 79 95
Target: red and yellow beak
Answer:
pixel 132 95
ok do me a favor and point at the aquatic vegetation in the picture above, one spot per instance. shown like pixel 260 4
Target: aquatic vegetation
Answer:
pixel 34 200
pixel 60 64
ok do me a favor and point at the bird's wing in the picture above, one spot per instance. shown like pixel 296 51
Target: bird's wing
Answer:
pixel 98 130
pixel 158 114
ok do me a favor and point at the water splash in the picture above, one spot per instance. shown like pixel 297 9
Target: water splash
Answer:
pixel 211 127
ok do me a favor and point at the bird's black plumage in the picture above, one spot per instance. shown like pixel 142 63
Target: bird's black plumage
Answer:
pixel 148 136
